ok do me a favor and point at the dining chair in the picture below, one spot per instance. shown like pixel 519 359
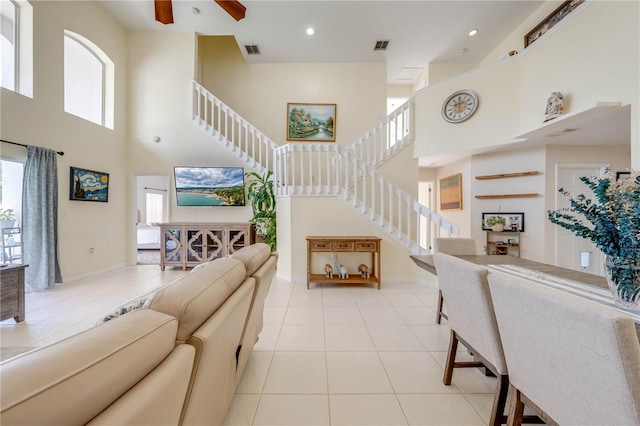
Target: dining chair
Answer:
pixel 452 246
pixel 570 360
pixel 472 323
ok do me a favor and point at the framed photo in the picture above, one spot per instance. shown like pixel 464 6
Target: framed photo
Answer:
pixel 311 122
pixel 623 175
pixel 88 185
pixel 556 16
pixel 451 192
pixel 512 222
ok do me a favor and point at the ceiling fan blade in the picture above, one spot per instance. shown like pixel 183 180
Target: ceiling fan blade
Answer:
pixel 233 8
pixel 164 11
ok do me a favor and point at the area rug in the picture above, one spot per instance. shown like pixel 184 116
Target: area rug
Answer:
pixel 148 257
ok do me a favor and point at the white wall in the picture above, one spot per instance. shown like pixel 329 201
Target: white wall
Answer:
pixel 41 121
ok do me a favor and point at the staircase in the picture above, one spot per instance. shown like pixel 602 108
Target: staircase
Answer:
pixel 321 169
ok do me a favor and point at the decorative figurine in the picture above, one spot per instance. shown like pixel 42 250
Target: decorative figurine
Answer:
pixel 555 106
pixel 328 271
pixel 364 271
pixel 342 271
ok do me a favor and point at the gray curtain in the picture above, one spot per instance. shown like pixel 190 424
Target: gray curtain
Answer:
pixel 40 219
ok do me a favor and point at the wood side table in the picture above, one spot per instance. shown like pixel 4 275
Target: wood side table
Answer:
pixel 12 292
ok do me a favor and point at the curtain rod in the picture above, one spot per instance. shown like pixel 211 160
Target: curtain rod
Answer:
pixel 21 144
pixel 155 189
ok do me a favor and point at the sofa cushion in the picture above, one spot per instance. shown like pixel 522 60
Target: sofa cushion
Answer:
pixel 73 380
pixel 253 256
pixel 193 298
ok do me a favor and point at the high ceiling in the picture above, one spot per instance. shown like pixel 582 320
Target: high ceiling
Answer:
pixel 419 32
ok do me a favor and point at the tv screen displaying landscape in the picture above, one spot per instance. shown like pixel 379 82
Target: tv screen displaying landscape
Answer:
pixel 209 186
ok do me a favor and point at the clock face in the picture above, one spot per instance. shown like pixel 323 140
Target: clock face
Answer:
pixel 460 106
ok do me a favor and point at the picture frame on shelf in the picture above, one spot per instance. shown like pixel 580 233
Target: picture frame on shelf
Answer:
pixel 451 192
pixel 547 23
pixel 88 185
pixel 311 122
pixel 623 175
pixel 512 222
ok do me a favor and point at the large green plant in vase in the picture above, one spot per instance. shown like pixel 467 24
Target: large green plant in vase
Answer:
pixel 612 221
pixel 263 202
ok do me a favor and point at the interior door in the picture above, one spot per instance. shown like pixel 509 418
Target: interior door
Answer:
pixel 571 251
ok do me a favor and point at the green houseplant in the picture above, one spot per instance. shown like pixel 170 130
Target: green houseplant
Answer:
pixel 263 202
pixel 496 223
pixel 612 221
pixel 7 217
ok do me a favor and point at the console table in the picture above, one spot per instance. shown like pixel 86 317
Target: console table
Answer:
pixel 337 244
pixel 12 292
pixel 190 244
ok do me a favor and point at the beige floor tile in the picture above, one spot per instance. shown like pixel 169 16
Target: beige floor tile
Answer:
pixel 417 315
pixel 381 315
pixel 394 338
pixel 242 410
pixel 301 338
pixel 370 300
pixel 473 380
pixel 274 314
pixel 415 372
pixel 439 410
pixel 308 315
pixel 332 298
pixel 297 410
pixel 356 372
pixel 268 338
pixel 277 299
pixel 352 410
pixel 297 373
pixel 408 299
pixel 337 315
pixel 482 403
pixel 304 298
pixel 348 338
pixel 434 337
pixel 255 372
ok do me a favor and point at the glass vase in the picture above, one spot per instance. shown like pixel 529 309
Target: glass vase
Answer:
pixel 623 278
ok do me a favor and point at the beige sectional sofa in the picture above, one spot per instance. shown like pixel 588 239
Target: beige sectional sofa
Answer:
pixel 175 361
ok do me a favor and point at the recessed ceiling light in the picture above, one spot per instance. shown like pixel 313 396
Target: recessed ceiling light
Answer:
pixel 473 32
pixel 310 31
pixel 195 10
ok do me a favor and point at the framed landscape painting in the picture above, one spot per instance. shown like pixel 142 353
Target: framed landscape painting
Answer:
pixel 311 122
pixel 88 185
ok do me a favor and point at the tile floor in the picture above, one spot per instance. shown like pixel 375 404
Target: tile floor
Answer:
pixel 330 355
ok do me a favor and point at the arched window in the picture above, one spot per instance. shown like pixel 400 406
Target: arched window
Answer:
pixel 16 46
pixel 88 80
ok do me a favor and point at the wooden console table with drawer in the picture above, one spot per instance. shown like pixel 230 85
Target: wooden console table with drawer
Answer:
pixel 336 244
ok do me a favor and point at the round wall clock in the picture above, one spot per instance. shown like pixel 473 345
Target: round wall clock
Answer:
pixel 460 106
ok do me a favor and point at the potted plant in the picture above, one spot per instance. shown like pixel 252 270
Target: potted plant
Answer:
pixel 263 202
pixel 612 222
pixel 496 223
pixel 7 218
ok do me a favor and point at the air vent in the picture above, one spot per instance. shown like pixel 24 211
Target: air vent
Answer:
pixel 381 45
pixel 252 49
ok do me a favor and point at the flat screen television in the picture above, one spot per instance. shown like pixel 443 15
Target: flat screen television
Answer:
pixel 209 186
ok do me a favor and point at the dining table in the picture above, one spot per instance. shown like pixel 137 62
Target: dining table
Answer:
pixel 588 286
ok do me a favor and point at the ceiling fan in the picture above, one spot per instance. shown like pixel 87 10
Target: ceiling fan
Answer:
pixel 164 10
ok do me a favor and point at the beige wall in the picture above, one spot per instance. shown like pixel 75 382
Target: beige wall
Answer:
pixel 41 121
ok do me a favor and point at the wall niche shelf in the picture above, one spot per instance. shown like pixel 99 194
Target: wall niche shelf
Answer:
pixel 508 175
pixel 495 196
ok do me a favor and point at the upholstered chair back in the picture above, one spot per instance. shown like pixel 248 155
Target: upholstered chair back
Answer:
pixel 577 360
pixel 470 307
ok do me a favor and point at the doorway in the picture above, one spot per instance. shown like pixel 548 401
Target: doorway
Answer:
pixel 575 252
pixel 151 207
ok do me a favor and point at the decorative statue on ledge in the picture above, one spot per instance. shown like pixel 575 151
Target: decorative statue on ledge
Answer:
pixel 555 106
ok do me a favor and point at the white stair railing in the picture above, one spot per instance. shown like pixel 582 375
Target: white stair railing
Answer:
pixel 320 169
pixel 229 128
pixel 387 138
